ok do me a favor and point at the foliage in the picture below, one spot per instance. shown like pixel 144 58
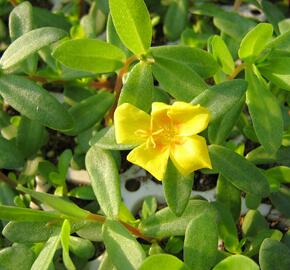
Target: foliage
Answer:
pixel 77 91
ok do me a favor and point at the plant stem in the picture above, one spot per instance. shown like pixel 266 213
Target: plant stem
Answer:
pixel 237 4
pixel 7 180
pixel 13 2
pixel 236 71
pixel 118 86
pixel 133 230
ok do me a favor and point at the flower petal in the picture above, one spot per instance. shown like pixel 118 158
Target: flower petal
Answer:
pixel 128 119
pixel 151 159
pixel 190 155
pixel 190 119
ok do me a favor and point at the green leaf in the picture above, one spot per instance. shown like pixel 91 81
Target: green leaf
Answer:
pixel 91 230
pixel 281 200
pixel 12 158
pixel 105 139
pixel 163 261
pixel 106 264
pixel 21 22
pixel 30 136
pixel 233 24
pixel 229 196
pixel 132 23
pixel 45 257
pixel 265 113
pixel 91 55
pixel 222 54
pixel 199 254
pixel 25 45
pixel 198 60
pixel 90 111
pixel 237 262
pixel 65 234
pixel 138 87
pixel 253 201
pixel 123 249
pixel 227 228
pixel 255 42
pixel 82 248
pixel 58 203
pixel 274 255
pixel 177 189
pixel 43 17
pixel 175 19
pixel 165 223
pixel 105 179
pixel 82 192
pixel 29 232
pixel 178 79
pixel 149 207
pixel 240 172
pixel 219 130
pixel 273 13
pixel 12 213
pixel 34 102
pixel 253 223
pixel 12 257
pixel 280 43
pixel 220 98
pixel 277 70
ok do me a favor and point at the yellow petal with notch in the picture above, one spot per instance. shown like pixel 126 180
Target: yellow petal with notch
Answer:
pixel 130 122
pixel 190 119
pixel 153 160
pixel 190 155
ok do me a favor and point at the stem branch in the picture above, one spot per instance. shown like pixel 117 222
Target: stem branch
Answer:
pixel 236 71
pixel 7 180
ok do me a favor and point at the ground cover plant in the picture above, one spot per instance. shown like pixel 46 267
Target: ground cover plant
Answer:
pixel 195 94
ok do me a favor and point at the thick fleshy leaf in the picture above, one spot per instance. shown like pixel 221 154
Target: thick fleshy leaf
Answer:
pixel 175 19
pixel 34 102
pixel 281 200
pixel 198 60
pixel 90 111
pixel 277 70
pixel 29 232
pixel 138 87
pixel 240 172
pixel 222 54
pixel 165 223
pixel 253 223
pixel 220 98
pixel 25 45
pixel 105 179
pixel 91 55
pixel 58 203
pixel 132 23
pixel 163 261
pixel 20 22
pixel 229 196
pixel 219 130
pixel 177 189
pixel 123 249
pixel 11 157
pixel 237 262
pixel 31 136
pixel 45 257
pixel 274 255
pixel 12 213
pixel 227 228
pixel 255 42
pixel 177 78
pixel 200 254
pixel 65 234
pixel 18 254
pixel 268 123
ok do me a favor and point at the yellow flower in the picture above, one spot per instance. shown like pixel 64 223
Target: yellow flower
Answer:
pixel 170 132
